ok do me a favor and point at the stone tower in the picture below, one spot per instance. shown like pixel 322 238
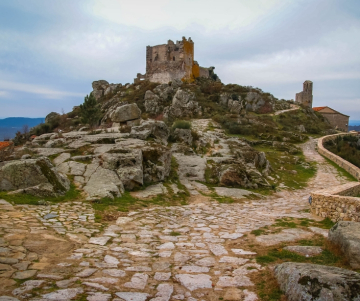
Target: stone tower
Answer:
pixel 170 61
pixel 305 97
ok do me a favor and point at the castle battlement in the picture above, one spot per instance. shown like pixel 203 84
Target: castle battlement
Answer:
pixel 170 61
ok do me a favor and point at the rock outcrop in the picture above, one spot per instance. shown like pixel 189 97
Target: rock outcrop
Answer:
pixel 183 105
pixel 51 117
pixel 126 113
pixel 33 176
pixel 346 235
pixel 303 281
pixel 102 87
pixel 151 129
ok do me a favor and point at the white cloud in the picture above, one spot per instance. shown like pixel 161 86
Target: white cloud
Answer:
pixel 36 89
pixel 212 14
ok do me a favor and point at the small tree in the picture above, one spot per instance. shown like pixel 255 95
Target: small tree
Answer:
pixel 90 111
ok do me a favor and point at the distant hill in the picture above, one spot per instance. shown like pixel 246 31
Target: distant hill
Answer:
pixel 9 126
pixel 354 128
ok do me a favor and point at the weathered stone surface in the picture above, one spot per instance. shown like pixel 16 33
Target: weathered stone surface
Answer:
pixel 128 296
pixel 234 192
pixel 63 294
pixel 125 113
pixel 8 298
pixel 183 105
pixel 151 191
pixel 162 276
pixel 114 272
pixel 194 282
pixel 98 297
pixel 24 274
pixel 34 176
pixel 138 281
pixel 164 292
pixel 151 129
pixel 283 236
pixel 302 281
pixel 347 236
pixel 51 117
pixel 156 162
pixel 102 240
pixel 128 165
pixel 152 103
pixel 227 281
pixel 86 272
pixel 104 183
pixel 183 135
pixel 307 251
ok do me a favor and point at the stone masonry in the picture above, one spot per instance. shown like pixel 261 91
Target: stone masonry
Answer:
pixel 339 203
pixel 305 97
pixel 170 61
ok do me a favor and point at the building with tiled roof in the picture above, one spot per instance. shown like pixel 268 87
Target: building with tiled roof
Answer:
pixel 338 120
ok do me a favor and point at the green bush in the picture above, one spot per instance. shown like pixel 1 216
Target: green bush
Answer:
pixel 90 111
pixel 181 124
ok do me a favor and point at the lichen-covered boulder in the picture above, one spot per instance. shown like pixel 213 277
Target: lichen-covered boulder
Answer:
pixel 55 143
pixel 51 117
pixel 303 282
pixel 152 103
pixel 346 235
pixel 99 84
pixel 128 165
pixel 183 135
pixel 103 183
pixel 156 162
pixel 183 105
pixel 125 113
pixel 33 176
pixel 151 129
pixel 164 91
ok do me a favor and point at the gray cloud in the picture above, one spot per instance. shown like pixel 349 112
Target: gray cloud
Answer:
pixel 55 50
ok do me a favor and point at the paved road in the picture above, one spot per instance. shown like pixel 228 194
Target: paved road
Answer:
pixel 194 252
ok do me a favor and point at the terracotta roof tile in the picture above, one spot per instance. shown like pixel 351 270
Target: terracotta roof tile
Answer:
pixel 318 108
pixel 4 144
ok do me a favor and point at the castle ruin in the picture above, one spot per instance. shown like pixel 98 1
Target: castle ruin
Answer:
pixel 170 61
pixel 305 97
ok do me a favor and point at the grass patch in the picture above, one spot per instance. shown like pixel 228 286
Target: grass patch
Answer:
pixel 181 124
pixel 258 232
pixel 293 171
pixel 173 233
pixel 27 199
pixel 331 255
pixel 107 209
pixel 267 287
pixel 284 223
pixel 342 172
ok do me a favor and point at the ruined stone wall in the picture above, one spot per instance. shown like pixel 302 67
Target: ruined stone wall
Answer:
pixel 305 97
pixel 338 203
pixel 350 168
pixel 171 61
pixel 204 72
pixel 338 121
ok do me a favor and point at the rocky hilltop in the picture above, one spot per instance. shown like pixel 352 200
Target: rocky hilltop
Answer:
pixel 148 129
pixel 173 191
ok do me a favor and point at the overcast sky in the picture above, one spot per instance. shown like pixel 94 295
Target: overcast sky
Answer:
pixel 51 51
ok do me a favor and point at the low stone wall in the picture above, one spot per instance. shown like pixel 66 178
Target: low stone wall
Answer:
pixel 350 168
pixel 338 203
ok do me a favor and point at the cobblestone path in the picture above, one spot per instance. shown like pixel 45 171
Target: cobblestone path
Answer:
pixel 192 252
